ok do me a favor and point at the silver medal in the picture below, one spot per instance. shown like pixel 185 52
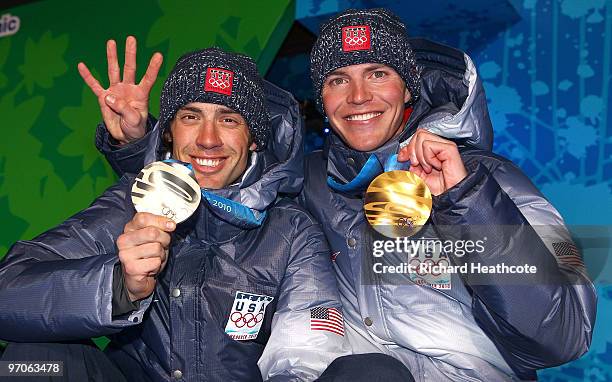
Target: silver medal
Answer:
pixel 166 189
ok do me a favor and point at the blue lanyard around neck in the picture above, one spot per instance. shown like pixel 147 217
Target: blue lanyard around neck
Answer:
pixel 370 170
pixel 225 207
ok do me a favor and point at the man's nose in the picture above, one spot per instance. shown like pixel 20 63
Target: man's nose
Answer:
pixel 208 136
pixel 359 92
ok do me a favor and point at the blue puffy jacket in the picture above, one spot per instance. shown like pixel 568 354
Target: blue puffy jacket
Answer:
pixel 58 286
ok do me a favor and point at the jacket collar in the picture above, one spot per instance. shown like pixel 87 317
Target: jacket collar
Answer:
pixel 350 171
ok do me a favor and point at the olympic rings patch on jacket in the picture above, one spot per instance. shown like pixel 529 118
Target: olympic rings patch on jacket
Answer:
pixel 247 315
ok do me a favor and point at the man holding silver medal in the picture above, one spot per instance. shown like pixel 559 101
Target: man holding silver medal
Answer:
pixel 392 100
pixel 241 290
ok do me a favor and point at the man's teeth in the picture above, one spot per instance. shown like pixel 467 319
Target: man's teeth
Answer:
pixel 362 117
pixel 208 162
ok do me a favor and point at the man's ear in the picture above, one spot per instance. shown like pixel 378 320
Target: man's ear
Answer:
pixel 167 140
pixel 253 146
pixel 407 95
pixel 167 136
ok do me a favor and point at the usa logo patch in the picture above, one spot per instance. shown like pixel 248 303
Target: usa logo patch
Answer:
pixel 356 37
pixel 219 81
pixel 247 315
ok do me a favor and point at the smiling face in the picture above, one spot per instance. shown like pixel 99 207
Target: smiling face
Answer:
pixel 365 104
pixel 214 139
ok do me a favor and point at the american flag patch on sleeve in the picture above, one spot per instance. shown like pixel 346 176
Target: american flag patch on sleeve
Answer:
pixel 327 319
pixel 568 254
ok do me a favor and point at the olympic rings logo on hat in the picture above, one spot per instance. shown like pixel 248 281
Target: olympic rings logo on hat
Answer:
pixel 356 37
pixel 248 319
pixel 219 81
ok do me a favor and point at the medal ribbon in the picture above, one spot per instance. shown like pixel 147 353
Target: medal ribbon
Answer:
pixel 227 208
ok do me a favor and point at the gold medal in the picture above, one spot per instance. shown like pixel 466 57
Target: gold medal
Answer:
pixel 166 189
pixel 397 204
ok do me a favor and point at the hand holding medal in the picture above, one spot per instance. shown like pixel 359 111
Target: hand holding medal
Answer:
pixel 435 160
pixel 398 203
pixel 164 194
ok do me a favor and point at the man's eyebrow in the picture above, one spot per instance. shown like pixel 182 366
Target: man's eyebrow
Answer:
pixel 337 72
pixel 374 66
pixel 226 110
pixel 191 108
pixel 370 67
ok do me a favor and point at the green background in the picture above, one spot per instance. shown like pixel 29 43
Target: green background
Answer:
pixel 49 167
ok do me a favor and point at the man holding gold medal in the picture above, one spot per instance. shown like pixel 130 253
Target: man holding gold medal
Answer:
pixel 396 104
pixel 385 94
pixel 241 290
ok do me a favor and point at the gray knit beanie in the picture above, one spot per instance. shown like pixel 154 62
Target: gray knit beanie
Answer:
pixel 215 76
pixel 360 36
